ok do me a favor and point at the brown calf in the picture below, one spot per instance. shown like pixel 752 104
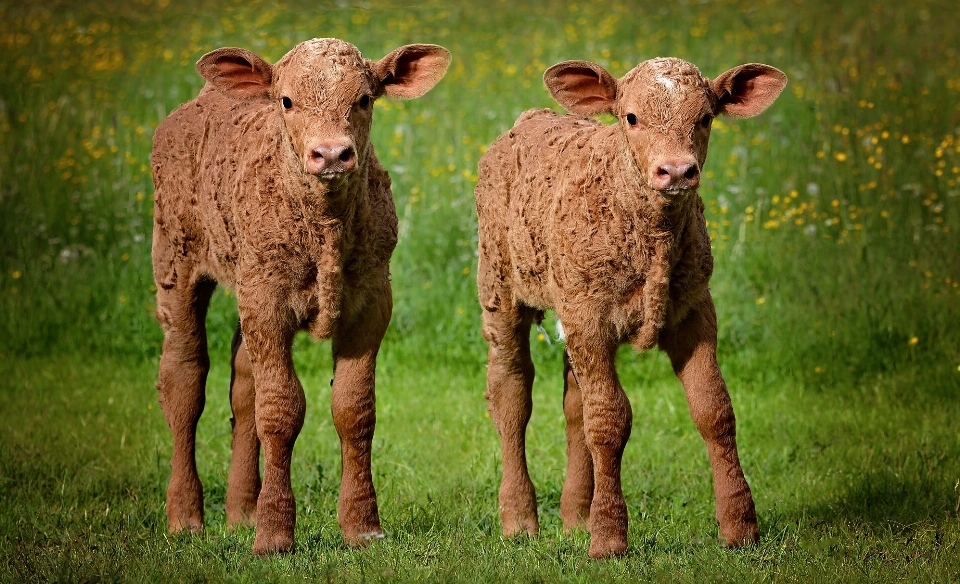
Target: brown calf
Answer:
pixel 267 182
pixel 604 225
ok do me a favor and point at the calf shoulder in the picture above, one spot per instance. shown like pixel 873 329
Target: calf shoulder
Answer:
pixel 213 160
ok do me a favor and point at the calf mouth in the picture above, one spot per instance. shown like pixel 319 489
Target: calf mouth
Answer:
pixel 674 192
pixel 331 176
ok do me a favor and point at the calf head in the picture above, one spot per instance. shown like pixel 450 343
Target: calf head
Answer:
pixel 324 90
pixel 664 109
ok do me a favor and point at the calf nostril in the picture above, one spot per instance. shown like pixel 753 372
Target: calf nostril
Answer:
pixel 677 175
pixel 332 157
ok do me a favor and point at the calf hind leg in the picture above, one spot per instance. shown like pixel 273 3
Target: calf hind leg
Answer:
pixel 243 484
pixel 578 486
pixel 509 384
pixel 184 364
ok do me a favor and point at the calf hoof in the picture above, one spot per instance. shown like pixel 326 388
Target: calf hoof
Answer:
pixel 610 547
pixel 241 510
pixel 360 522
pixel 575 517
pixel 278 542
pixel 185 506
pixel 519 524
pixel 608 527
pixel 362 540
pixel 574 525
pixel 239 519
pixel 185 518
pixel 186 525
pixel 740 535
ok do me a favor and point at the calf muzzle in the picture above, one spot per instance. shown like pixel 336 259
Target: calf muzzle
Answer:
pixel 331 158
pixel 676 175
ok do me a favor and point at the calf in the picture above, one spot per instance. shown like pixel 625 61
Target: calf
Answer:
pixel 603 224
pixel 267 182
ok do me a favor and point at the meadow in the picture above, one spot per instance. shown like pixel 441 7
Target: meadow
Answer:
pixel 835 221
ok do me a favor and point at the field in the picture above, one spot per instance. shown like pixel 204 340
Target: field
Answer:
pixel 835 220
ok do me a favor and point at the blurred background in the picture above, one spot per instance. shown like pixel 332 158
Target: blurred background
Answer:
pixel 833 215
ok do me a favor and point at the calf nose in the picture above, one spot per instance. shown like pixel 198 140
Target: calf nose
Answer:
pixel 331 157
pixel 676 174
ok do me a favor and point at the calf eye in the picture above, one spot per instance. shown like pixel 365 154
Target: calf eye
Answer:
pixel 364 102
pixel 705 121
pixel 287 102
pixel 632 119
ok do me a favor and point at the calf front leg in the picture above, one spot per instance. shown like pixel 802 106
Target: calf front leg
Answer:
pixel 243 484
pixel 607 421
pixel 280 407
pixel 184 364
pixel 692 350
pixel 353 404
pixel 509 385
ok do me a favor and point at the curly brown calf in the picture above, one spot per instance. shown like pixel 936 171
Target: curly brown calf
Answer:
pixel 267 182
pixel 604 225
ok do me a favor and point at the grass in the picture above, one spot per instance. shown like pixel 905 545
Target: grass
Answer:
pixel 834 217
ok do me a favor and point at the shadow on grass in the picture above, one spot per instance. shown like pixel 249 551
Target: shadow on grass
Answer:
pixel 881 499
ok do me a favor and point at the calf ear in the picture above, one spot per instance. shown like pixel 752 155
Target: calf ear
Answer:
pixel 582 87
pixel 411 70
pixel 747 90
pixel 236 72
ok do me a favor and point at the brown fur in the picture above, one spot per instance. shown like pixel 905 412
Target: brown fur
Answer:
pixel 603 224
pixel 267 183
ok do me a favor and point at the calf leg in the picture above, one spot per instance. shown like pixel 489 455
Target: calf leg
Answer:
pixel 607 420
pixel 279 406
pixel 692 350
pixel 509 385
pixel 353 404
pixel 243 484
pixel 184 364
pixel 578 486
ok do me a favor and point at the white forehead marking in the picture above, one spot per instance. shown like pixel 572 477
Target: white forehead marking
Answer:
pixel 666 81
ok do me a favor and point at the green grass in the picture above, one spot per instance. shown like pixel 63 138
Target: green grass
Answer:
pixel 835 219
